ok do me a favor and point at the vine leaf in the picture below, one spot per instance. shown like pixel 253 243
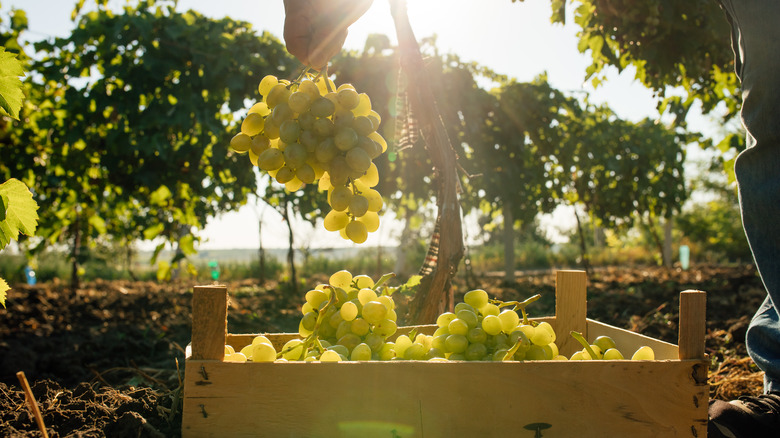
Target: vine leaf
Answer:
pixel 3 289
pixel 11 94
pixel 21 211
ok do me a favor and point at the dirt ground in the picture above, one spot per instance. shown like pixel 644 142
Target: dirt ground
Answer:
pixel 107 360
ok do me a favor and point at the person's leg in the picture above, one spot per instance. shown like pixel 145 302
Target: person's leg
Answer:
pixel 756 43
pixel 756 26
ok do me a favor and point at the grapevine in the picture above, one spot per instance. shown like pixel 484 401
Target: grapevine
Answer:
pixel 309 131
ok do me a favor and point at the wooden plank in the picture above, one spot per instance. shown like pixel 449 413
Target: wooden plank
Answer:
pixel 209 322
pixel 693 324
pixel 570 309
pixel 628 342
pixel 416 399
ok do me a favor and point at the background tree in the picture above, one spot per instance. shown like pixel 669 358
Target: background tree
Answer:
pixel 139 114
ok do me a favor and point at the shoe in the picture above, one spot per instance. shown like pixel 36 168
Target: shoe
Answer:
pixel 746 417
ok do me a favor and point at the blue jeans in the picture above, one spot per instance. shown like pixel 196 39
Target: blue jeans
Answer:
pixel 756 42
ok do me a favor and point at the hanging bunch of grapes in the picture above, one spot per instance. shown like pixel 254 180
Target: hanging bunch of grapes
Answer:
pixel 309 131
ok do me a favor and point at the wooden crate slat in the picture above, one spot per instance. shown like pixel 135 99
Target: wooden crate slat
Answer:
pixel 417 399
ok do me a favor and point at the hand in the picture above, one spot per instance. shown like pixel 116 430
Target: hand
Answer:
pixel 315 30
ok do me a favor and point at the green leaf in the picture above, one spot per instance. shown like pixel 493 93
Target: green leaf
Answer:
pixel 154 231
pixel 163 271
pixel 160 196
pixel 10 85
pixel 21 212
pixel 187 245
pixel 3 289
pixel 3 203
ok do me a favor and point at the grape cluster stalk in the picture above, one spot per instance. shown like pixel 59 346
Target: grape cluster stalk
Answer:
pixel 309 131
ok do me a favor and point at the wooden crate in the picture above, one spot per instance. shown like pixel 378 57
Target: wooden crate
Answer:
pixel 666 397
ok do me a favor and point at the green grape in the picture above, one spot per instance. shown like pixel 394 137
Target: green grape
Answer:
pixel 458 327
pixel 386 327
pixel 577 355
pixel 509 320
pixel 374 311
pixel 415 352
pixel 456 343
pixel 322 107
pixel 281 113
pixel 489 309
pixel 476 335
pixel 613 354
pixel 277 94
pixel 247 351
pixel 270 159
pixel 445 318
pixel 261 340
pixel 323 127
pixel 360 327
pixel 361 352
pixel 235 357
pixel 348 98
pixel 363 126
pixel 335 220
pixel 259 144
pixel 469 316
pixel 344 328
pixel 240 142
pixel 596 350
pixel 475 351
pixel 330 356
pixel 370 220
pixel 372 148
pixel 371 177
pixel 348 311
pixel 364 281
pixel 345 138
pixel 358 159
pixel 260 108
pixel 263 353
pixel 293 349
pixel 379 139
pixel 401 344
pixel 365 295
pixel 519 337
pixel 476 298
pixel 335 319
pixel 604 343
pixel 340 198
pixel 285 175
pixel 358 206
pixel 270 129
pixel 388 351
pixel 536 352
pixel 295 155
pixel 266 84
pixel 253 124
pixel 340 279
pixel 644 353
pixel 339 171
pixel 375 202
pixel 356 232
pixel 294 185
pixel 315 297
pixel 375 117
pixel 309 87
pixel 374 341
pixel 461 306
pixel 305 173
pixel 364 106
pixel 300 101
pixel 325 151
pixel 543 334
pixel 438 342
pixel 343 118
pixel 289 131
pixel 491 324
pixel 324 85
pixel 350 340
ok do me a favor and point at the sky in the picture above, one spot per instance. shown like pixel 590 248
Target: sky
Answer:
pixel 512 38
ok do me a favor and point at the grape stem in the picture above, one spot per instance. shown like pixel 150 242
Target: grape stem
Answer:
pixel 581 339
pixel 512 351
pixel 313 336
pixel 518 305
